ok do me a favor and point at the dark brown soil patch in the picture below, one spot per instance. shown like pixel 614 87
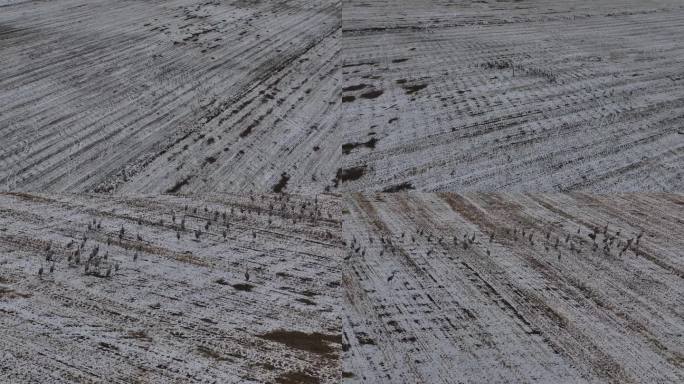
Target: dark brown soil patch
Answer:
pixel 347 148
pixel 243 287
pixel 358 64
pixel 411 89
pixel 282 183
pixel 177 187
pixel 310 342
pixel 399 187
pixel 306 301
pixel 348 174
pixel 354 87
pixel 296 377
pixel 108 346
pixel 371 94
pixel 7 293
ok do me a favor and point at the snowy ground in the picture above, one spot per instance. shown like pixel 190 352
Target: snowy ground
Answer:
pixel 183 295
pixel 306 96
pixel 490 288
pixel 126 125
pixel 533 96
pixel 179 96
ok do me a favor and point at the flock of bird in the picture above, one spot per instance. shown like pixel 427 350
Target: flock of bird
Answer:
pixel 611 243
pixel 209 222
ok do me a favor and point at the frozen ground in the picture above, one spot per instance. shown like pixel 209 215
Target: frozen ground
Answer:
pixel 178 96
pixel 531 96
pixel 491 288
pixel 220 289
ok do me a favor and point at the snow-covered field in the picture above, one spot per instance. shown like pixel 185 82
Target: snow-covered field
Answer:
pixel 305 96
pixel 179 96
pixel 501 288
pixel 219 289
pixel 533 96
pixel 188 191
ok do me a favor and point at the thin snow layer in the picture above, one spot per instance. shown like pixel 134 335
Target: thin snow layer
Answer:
pixel 521 96
pixel 222 289
pixel 179 96
pixel 494 288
